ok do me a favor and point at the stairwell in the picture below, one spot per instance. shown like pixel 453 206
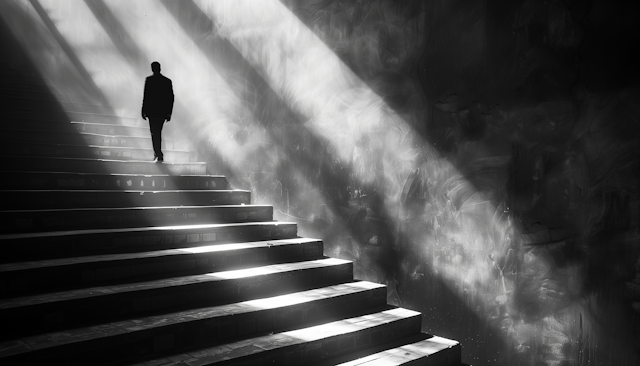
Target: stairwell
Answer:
pixel 108 258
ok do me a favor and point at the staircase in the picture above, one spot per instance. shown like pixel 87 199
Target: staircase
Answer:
pixel 108 258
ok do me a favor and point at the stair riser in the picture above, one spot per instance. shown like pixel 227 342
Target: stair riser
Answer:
pixel 206 293
pixel 127 242
pixel 82 139
pixel 172 264
pixel 39 221
pixel 28 200
pixel 44 180
pixel 211 331
pixel 18 163
pixel 97 152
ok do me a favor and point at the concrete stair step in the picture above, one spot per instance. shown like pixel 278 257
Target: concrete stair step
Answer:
pixel 22 278
pixel 58 114
pixel 11 134
pixel 94 181
pixel 58 244
pixel 58 199
pixel 67 309
pixel 13 149
pixel 433 351
pixel 180 331
pixel 15 221
pixel 44 104
pixel 91 165
pixel 141 130
pixel 305 346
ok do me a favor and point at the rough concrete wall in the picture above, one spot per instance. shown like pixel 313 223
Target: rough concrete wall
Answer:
pixel 537 104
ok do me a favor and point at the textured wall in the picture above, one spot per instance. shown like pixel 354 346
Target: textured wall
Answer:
pixel 537 104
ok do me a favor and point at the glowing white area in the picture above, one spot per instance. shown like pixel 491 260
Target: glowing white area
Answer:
pixel 323 331
pixel 349 325
pixel 405 353
pixel 214 248
pixel 242 273
pixel 307 296
pixel 279 301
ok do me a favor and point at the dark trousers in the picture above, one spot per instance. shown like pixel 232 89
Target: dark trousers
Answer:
pixel 155 125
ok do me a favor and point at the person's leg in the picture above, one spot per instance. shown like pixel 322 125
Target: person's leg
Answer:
pixel 155 125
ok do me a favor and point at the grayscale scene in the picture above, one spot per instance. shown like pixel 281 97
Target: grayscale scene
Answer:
pixel 320 182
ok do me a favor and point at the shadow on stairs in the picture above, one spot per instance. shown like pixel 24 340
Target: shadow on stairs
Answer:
pixel 111 259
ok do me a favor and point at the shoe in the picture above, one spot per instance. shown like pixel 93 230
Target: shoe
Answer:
pixel 159 160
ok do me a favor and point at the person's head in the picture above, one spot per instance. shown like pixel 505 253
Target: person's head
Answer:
pixel 155 67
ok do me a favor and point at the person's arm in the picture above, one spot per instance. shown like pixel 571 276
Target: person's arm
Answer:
pixel 144 100
pixel 170 101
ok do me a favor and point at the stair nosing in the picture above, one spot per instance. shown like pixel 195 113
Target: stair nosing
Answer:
pixel 50 234
pixel 105 160
pixel 111 174
pixel 26 144
pixel 142 208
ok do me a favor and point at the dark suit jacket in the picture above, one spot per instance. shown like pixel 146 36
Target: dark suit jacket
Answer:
pixel 158 96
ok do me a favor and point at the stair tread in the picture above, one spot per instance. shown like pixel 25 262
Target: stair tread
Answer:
pixel 51 234
pixel 92 292
pixel 26 144
pixel 48 340
pixel 405 354
pixel 69 132
pixel 252 346
pixel 141 208
pixel 20 266
pixel 33 180
pixel 111 160
pixel 83 174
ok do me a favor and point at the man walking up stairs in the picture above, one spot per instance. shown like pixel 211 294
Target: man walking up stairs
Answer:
pixel 109 258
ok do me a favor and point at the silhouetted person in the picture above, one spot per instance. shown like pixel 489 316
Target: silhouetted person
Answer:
pixel 157 104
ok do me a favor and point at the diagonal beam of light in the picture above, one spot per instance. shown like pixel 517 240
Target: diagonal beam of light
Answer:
pixel 380 148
